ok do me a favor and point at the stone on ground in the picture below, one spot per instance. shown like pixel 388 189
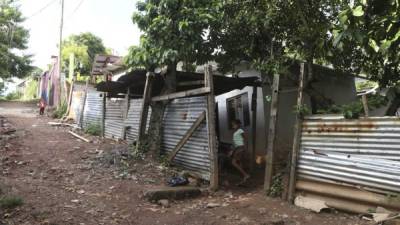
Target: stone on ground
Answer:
pixel 176 193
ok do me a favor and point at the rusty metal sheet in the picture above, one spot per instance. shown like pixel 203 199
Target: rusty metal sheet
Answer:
pixel 363 152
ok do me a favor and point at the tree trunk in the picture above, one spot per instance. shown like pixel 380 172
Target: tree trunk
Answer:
pixel 157 111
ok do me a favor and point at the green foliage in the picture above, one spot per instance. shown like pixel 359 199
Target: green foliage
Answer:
pixel 93 129
pixel 60 111
pixel 85 47
pixel 302 110
pixel 360 86
pixel 276 189
pixel 13 96
pixel 173 31
pixel 10 202
pixel 355 109
pixel 13 38
pixel 30 91
pixel 2 86
pixel 370 30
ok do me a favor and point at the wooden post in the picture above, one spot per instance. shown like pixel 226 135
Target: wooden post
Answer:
pixel 269 167
pixel 253 126
pixel 84 103
pixel 210 116
pixel 145 110
pixel 365 105
pixel 297 137
pixel 71 91
pixel 125 127
pixel 104 111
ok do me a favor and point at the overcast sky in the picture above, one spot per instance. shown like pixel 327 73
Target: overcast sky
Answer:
pixel 110 20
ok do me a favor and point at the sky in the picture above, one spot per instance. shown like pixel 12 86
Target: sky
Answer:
pixel 109 20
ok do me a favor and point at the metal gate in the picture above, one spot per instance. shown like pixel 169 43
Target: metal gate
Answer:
pixel 180 114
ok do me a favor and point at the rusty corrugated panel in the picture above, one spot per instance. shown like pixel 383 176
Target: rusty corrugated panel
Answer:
pixel 180 114
pixel 114 121
pixel 93 108
pixel 363 152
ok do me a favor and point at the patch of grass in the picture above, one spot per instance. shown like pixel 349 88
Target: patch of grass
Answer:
pixel 10 202
pixel 93 129
pixel 60 111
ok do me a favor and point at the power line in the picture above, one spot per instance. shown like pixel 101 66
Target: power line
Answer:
pixel 76 8
pixel 42 9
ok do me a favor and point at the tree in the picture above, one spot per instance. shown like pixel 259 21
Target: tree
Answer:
pixel 371 28
pixel 85 47
pixel 173 31
pixel 13 38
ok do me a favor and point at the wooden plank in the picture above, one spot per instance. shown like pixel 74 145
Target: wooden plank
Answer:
pixel 182 94
pixel 125 114
pixel 253 127
pixel 365 105
pixel 84 103
pixel 212 136
pixel 71 91
pixel 187 135
pixel 297 137
pixel 269 167
pixel 145 109
pixel 79 137
pixel 191 83
pixel 103 113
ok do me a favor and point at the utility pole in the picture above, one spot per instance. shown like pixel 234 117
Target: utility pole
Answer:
pixel 59 54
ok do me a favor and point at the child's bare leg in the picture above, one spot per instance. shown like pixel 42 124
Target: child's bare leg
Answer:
pixel 235 163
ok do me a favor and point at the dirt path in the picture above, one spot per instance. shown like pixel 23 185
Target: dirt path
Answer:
pixel 61 183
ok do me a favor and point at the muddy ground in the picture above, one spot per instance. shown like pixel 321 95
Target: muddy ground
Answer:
pixel 63 181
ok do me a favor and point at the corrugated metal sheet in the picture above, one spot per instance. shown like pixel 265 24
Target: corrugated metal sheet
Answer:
pixel 76 105
pixel 93 108
pixel 135 106
pixel 363 152
pixel 114 121
pixel 179 116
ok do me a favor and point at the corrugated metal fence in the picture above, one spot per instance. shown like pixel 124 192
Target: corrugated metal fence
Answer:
pixel 363 152
pixel 114 120
pixel 135 106
pixel 180 114
pixel 93 111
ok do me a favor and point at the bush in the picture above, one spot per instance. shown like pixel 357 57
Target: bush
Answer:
pixel 10 202
pixel 13 96
pixel 61 110
pixel 93 129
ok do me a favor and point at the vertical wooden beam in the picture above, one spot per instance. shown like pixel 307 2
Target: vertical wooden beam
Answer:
pixel 365 105
pixel 297 137
pixel 145 110
pixel 253 126
pixel 84 103
pixel 104 111
pixel 269 167
pixel 125 115
pixel 212 136
pixel 71 91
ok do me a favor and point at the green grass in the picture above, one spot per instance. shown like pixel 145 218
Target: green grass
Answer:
pixel 60 111
pixel 10 202
pixel 93 129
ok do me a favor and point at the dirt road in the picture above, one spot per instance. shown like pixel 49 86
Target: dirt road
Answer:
pixel 65 181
